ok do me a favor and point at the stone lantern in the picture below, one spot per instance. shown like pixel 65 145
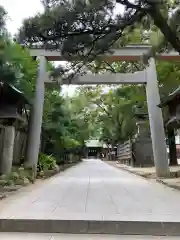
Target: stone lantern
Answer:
pixel 141 143
pixel 12 119
pixel 141 117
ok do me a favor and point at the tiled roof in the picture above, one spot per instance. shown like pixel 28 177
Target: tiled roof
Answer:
pixel 94 143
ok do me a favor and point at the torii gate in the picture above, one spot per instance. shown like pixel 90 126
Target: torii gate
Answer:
pixel 147 76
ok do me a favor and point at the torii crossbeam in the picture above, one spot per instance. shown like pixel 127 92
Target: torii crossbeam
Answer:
pixel 129 53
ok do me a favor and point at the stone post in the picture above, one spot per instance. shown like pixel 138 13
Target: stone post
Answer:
pixel 8 150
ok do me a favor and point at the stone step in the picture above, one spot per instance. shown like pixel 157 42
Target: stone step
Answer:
pixel 90 227
pixel 36 236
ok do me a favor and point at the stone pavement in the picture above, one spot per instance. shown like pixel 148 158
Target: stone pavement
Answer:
pixel 22 236
pixel 94 191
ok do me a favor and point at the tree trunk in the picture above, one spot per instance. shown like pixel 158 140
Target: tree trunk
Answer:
pixel 162 24
pixel 172 147
pixel 8 150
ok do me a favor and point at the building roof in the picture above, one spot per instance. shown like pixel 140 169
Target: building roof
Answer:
pixel 94 143
pixel 169 98
pixel 9 93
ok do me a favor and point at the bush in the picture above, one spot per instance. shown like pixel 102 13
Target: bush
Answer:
pixel 3 182
pixel 14 176
pixel 46 162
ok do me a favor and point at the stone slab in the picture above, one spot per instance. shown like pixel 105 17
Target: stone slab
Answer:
pixel 89 194
pixel 90 227
pixel 33 236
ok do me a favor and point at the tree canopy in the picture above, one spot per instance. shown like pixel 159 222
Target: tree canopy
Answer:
pixel 89 28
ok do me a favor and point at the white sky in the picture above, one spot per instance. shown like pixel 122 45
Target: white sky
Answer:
pixel 21 9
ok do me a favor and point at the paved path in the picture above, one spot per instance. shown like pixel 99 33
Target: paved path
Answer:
pixel 94 190
pixel 29 236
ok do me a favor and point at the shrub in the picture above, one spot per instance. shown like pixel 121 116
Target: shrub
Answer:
pixel 14 176
pixel 46 162
pixel 10 182
pixel 3 182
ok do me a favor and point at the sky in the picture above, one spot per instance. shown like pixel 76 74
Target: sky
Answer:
pixel 21 9
pixel 18 10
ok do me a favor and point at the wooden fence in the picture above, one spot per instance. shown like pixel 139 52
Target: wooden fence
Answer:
pixel 124 153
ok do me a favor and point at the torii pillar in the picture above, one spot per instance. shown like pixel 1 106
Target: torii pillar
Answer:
pixel 156 121
pixel 34 135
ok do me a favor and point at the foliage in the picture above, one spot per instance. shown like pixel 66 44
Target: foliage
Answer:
pixel 71 143
pixel 92 113
pixel 17 67
pixel 89 28
pixel 168 77
pixel 60 128
pixel 3 15
pixel 46 162
pixel 111 111
pixel 7 72
pixel 18 176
